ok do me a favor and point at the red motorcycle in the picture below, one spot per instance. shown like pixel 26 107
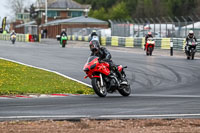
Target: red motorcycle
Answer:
pixel 103 79
pixel 150 46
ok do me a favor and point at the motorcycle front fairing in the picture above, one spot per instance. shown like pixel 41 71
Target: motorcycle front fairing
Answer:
pixel 150 42
pixel 93 67
pixel 63 38
pixel 192 44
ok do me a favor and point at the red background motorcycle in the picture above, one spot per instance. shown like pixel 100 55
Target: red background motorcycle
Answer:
pixel 150 46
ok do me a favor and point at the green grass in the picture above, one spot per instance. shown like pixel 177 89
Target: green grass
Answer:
pixel 20 79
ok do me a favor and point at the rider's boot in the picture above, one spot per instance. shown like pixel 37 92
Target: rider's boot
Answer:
pixel 121 78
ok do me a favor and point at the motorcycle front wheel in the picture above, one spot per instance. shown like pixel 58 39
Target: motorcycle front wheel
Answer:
pixel 192 54
pixel 98 89
pixel 63 45
pixel 147 53
pixel 150 51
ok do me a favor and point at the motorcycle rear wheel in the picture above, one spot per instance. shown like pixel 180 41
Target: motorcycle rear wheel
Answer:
pixel 100 91
pixel 125 90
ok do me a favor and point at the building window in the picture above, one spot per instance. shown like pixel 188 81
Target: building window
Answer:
pixel 52 14
pixel 26 16
pixel 20 16
pixel 75 13
pixel 69 14
pixel 58 13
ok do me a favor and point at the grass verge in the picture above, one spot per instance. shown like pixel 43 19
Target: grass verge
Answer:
pixel 21 79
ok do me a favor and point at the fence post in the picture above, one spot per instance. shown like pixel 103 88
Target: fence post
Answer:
pixel 137 21
pixel 166 26
pixel 171 46
pixel 133 22
pixel 179 26
pixel 143 22
pixel 160 25
pixel 111 23
pixel 172 26
pixel 154 24
pixel 148 23
pixel 192 22
pixel 185 25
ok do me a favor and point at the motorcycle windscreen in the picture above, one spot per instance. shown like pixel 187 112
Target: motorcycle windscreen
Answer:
pixel 91 58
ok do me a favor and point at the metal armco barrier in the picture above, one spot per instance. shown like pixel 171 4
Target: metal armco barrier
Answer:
pixel 19 37
pixel 161 43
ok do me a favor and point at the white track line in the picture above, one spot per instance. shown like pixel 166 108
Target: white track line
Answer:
pixel 101 116
pixel 48 71
pixel 157 95
pixel 31 117
pixel 148 116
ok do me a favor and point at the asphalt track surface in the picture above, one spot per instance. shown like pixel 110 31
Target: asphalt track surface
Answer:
pixel 162 86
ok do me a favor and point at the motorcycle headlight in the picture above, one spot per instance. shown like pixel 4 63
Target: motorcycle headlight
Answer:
pixel 93 66
pixel 86 69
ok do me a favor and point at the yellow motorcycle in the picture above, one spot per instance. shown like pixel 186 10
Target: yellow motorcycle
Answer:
pixel 13 38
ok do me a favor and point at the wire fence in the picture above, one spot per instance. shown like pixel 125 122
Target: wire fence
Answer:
pixel 160 27
pixel 138 42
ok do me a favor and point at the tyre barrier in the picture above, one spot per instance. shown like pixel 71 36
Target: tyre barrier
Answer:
pixel 115 41
pixel 22 37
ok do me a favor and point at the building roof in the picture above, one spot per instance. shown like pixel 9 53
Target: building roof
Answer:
pixel 65 4
pixel 26 24
pixel 76 20
pixel 196 25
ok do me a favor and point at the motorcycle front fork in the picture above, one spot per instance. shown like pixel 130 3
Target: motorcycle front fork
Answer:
pixel 101 80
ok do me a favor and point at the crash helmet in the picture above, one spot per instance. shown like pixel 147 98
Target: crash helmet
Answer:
pixel 191 33
pixel 94 31
pixel 94 45
pixel 149 33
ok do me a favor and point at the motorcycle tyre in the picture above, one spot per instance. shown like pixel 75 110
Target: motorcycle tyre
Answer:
pixel 97 89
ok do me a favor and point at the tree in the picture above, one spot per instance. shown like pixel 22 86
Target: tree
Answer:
pixel 33 13
pixel 119 11
pixel 145 8
pixel 16 6
pixel 100 14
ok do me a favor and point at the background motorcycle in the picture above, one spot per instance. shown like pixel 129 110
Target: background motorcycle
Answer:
pixel 191 49
pixel 150 46
pixel 103 80
pixel 63 40
pixel 13 38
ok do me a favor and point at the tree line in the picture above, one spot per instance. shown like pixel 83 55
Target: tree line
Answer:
pixel 127 9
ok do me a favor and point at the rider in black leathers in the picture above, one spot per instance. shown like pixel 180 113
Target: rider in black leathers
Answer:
pixel 93 34
pixel 63 33
pixel 189 37
pixel 105 55
pixel 13 33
